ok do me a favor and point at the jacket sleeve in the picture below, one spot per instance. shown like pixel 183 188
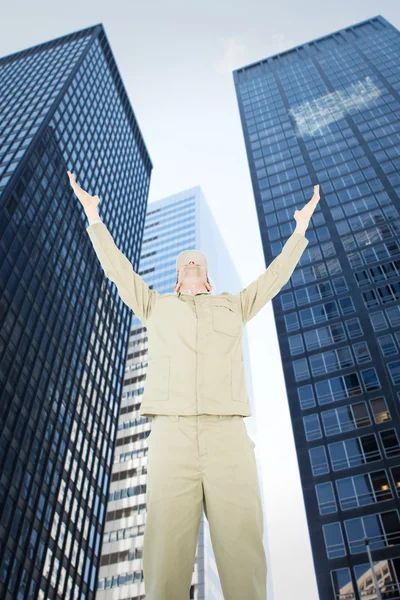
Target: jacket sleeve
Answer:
pixel 259 292
pixel 132 289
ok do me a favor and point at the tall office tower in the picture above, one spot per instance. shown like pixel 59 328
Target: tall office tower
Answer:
pixel 175 223
pixel 63 328
pixel 327 112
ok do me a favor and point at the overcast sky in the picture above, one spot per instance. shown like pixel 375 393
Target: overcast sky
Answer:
pixel 176 59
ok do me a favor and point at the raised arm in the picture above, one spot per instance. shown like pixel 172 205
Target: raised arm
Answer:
pixel 277 274
pixel 132 289
pixel 259 292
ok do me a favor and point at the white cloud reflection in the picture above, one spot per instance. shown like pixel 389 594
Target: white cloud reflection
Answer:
pixel 312 117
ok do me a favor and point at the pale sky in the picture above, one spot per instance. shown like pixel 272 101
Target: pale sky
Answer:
pixel 176 59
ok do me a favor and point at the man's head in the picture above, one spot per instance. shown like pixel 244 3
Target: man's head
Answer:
pixel 192 271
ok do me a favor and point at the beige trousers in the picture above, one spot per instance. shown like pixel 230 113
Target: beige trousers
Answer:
pixel 201 461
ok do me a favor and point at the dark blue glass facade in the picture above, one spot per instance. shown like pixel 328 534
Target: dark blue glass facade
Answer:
pixel 63 329
pixel 328 112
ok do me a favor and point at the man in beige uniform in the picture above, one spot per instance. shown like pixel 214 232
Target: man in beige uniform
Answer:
pixel 199 452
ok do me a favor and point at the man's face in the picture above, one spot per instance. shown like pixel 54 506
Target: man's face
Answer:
pixel 192 271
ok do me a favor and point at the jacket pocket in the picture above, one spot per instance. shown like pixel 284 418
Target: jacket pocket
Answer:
pixel 226 320
pixel 239 391
pixel 157 379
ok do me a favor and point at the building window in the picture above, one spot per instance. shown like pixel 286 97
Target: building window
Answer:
pixel 355 260
pixel 365 583
pixel 370 298
pixel 346 305
pixel 333 360
pixel 345 418
pixel 296 344
pixel 386 528
pixel 301 370
pixel 364 489
pixel 326 498
pixel 340 285
pixel 292 322
pixel 370 380
pixel 306 396
pixel 342 584
pixel 312 427
pixel 387 345
pixel 353 327
pixel 338 388
pixel 395 472
pixel 394 370
pixel 362 278
pixel 393 315
pixel 334 543
pixel 287 301
pixel 324 336
pixel 380 410
pixel 346 454
pixel 378 321
pixel 361 352
pixel 390 442
pixel 318 460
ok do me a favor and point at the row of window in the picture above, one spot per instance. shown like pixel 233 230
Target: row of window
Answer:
pixel 342 358
pixel 387 572
pixel 332 360
pixel 325 312
pixel 128 473
pixel 364 220
pixel 382 295
pixel 377 253
pixel 310 256
pixel 347 454
pixel 129 492
pixel 325 336
pixel 358 490
pixel 387 343
pixel 313 293
pixel 382 320
pixel 118 580
pixel 324 290
pixel 345 386
pixel 122 556
pixel 286 230
pixel 125 456
pixel 347 418
pixel 123 534
pixel 124 513
pixel 382 530
pixel 364 238
pixel 320 235
pixel 319 314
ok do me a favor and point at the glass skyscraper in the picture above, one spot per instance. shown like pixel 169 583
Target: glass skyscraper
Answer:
pixel 173 224
pixel 328 112
pixel 63 329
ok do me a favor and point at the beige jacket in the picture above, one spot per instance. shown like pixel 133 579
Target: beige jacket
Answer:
pixel 194 341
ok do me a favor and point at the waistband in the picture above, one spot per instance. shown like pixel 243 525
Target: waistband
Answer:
pixel 204 417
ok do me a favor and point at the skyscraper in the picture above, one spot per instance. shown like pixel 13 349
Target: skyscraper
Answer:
pixel 179 222
pixel 64 331
pixel 328 112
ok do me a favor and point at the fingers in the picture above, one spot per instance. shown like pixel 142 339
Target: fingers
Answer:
pixel 72 181
pixel 315 199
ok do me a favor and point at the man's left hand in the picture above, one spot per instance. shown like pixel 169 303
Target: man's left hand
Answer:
pixel 304 215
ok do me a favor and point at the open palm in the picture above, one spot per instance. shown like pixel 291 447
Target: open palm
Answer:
pixel 304 215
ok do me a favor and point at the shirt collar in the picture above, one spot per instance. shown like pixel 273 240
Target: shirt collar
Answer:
pixel 190 292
